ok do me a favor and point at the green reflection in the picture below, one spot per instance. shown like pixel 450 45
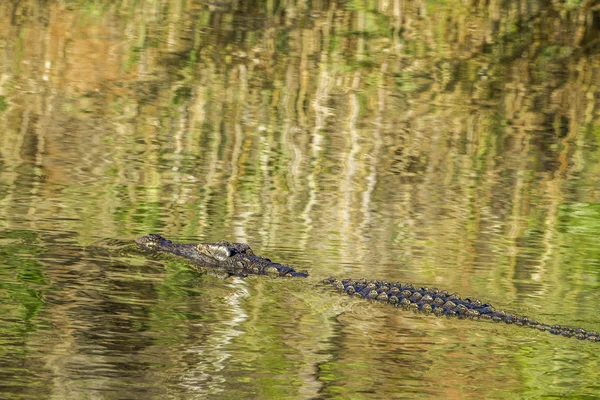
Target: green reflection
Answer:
pixel 21 276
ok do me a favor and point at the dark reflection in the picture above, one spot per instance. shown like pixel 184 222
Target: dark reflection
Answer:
pixel 102 316
pixel 111 321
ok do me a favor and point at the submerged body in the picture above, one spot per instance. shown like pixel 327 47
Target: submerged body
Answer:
pixel 238 259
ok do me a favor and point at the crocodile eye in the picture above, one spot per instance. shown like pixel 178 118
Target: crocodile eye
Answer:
pixel 244 248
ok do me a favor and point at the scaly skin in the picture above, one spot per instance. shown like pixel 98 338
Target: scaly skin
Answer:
pixel 238 259
pixel 235 258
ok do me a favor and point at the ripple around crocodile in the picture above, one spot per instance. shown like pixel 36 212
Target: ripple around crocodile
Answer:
pixel 238 259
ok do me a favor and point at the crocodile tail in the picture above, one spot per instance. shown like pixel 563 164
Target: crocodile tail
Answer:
pixel 441 303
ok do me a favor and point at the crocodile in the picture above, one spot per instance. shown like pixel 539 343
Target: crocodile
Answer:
pixel 239 259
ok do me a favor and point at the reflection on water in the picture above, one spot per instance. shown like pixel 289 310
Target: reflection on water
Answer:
pixel 449 144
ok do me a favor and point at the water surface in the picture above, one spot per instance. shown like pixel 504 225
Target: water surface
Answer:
pixel 449 144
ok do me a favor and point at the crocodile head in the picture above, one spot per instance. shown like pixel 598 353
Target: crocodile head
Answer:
pixel 235 257
pixel 218 251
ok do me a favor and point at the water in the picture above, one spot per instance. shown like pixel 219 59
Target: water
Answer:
pixel 449 144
